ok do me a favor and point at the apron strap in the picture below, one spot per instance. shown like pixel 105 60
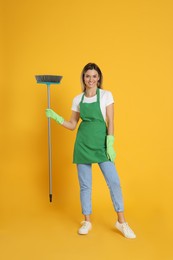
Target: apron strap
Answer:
pixel 97 93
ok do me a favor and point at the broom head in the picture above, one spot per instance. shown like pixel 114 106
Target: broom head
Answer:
pixel 48 79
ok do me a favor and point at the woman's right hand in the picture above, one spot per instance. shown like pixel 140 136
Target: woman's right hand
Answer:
pixel 51 114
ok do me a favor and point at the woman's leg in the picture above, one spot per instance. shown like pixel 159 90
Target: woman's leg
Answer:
pixel 85 182
pixel 111 176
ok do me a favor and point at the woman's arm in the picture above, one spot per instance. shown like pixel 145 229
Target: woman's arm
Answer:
pixel 110 119
pixel 72 123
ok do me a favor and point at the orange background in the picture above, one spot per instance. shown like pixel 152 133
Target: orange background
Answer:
pixel 132 43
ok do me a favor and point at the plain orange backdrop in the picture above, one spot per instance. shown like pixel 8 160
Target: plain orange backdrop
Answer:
pixel 132 43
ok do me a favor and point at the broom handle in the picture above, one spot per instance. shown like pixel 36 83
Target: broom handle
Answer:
pixel 49 146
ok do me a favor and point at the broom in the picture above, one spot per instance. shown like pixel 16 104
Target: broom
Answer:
pixel 49 80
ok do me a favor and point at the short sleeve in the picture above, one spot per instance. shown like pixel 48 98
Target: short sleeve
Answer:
pixel 75 104
pixel 109 98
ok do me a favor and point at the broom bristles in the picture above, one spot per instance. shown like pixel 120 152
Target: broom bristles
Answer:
pixel 48 78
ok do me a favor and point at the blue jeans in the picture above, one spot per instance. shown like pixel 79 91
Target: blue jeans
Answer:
pixel 85 181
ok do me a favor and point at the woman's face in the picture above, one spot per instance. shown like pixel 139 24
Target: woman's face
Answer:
pixel 91 78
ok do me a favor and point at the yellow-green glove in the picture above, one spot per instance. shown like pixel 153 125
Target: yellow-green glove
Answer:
pixel 111 154
pixel 50 113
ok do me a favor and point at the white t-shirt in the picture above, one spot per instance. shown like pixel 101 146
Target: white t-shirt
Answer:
pixel 106 99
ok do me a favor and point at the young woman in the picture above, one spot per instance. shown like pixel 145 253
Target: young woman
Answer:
pixel 94 144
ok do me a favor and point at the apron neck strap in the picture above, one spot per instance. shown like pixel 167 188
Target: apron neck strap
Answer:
pixel 97 93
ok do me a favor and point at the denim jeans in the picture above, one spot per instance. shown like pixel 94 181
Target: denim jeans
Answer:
pixel 85 181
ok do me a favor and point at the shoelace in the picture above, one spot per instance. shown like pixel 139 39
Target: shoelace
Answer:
pixel 126 228
pixel 84 224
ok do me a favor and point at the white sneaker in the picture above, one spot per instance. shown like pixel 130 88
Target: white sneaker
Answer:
pixel 125 229
pixel 85 228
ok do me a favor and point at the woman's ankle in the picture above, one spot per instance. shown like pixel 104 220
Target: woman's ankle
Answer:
pixel 121 218
pixel 87 218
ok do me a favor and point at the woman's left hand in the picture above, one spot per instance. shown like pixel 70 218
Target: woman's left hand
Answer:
pixel 111 154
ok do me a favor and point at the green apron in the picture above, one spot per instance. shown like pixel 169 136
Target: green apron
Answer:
pixel 90 144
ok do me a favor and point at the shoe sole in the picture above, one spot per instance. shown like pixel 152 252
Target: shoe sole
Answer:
pixel 124 234
pixel 84 233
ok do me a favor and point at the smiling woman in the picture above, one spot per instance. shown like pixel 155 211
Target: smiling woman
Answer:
pixel 91 76
pixel 132 42
pixel 91 79
pixel 94 144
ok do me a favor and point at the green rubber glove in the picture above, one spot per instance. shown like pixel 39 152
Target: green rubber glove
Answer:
pixel 111 154
pixel 50 113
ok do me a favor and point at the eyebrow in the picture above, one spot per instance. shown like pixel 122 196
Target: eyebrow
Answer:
pixel 91 75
